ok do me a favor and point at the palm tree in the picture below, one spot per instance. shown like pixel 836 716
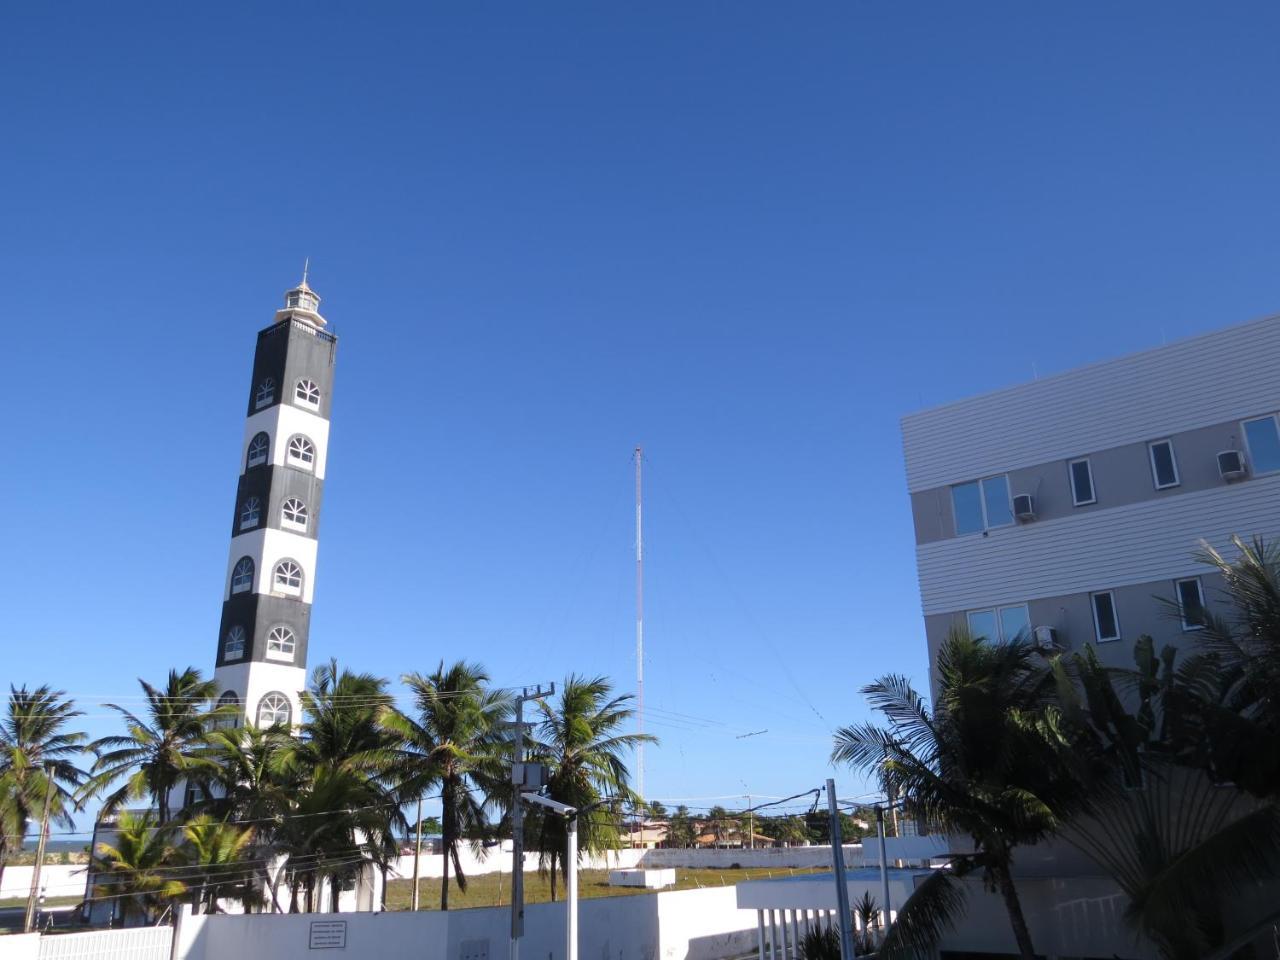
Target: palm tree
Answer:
pixel 453 742
pixel 1189 823
pixel 987 763
pixel 1155 809
pixel 579 738
pixel 142 869
pixel 1240 706
pixel 346 812
pixel 35 746
pixel 219 855
pixel 341 711
pixel 162 749
pixel 716 817
pixel 254 780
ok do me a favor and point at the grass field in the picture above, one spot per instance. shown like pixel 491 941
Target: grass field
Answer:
pixel 494 889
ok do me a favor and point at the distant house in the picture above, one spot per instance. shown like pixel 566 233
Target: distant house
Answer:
pixel 432 843
pixel 646 836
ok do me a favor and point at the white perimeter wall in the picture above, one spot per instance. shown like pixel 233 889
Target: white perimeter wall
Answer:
pixel 688 925
pixel 58 880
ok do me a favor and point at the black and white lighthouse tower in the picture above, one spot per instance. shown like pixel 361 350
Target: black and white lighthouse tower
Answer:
pixel 271 569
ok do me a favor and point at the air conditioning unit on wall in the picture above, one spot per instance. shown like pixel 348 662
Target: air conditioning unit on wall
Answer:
pixel 1024 507
pixel 1046 637
pixel 1231 466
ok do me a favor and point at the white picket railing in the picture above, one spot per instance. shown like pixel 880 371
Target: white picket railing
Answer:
pixel 134 943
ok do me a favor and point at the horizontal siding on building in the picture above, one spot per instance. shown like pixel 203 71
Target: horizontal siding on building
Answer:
pixel 1193 383
pixel 1144 542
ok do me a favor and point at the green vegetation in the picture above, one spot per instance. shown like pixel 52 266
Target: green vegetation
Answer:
pixel 276 818
pixel 38 757
pixel 579 740
pixel 1165 775
pixel 494 889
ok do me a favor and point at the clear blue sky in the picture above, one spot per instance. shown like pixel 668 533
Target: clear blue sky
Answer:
pixel 748 236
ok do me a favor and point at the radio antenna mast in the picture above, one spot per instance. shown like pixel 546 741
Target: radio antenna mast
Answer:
pixel 639 456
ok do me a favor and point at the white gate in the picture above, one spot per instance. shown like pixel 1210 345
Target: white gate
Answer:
pixel 134 943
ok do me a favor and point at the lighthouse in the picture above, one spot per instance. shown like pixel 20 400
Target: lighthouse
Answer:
pixel 275 526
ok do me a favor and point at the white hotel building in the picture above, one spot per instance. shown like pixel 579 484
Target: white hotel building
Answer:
pixel 1076 503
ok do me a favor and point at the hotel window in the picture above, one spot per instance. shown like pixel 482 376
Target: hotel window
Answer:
pixel 1264 444
pixel 1000 623
pixel 1190 603
pixel 1164 467
pixel 982 504
pixel 1106 624
pixel 1082 482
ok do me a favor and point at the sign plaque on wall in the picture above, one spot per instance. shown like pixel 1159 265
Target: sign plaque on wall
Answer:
pixel 328 935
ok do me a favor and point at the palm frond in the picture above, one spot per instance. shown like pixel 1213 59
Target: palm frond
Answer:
pixel 932 910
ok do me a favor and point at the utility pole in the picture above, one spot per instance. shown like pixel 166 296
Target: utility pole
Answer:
pixel 30 918
pixel 517 818
pixel 417 855
pixel 837 862
pixel 639 456
pixel 571 889
pixel 884 865
pixel 571 815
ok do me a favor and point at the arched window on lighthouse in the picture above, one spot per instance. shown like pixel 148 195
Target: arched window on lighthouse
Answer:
pixel 229 707
pixel 274 710
pixel 233 646
pixel 307 394
pixel 250 513
pixel 265 393
pixel 242 575
pixel 258 449
pixel 302 452
pixel 293 515
pixel 287 578
pixel 281 643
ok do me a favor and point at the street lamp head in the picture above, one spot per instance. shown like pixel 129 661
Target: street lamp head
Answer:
pixel 554 805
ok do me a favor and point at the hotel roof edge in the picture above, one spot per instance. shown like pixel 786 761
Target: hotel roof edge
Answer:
pixel 1077 370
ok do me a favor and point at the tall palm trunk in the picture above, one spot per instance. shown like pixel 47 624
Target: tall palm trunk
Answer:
pixel 446 845
pixel 1004 880
pixel 553 876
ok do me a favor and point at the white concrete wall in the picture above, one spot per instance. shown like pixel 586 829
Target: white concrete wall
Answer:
pixel 688 925
pixel 1071 917
pixel 20 946
pixel 58 880
pixel 137 943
